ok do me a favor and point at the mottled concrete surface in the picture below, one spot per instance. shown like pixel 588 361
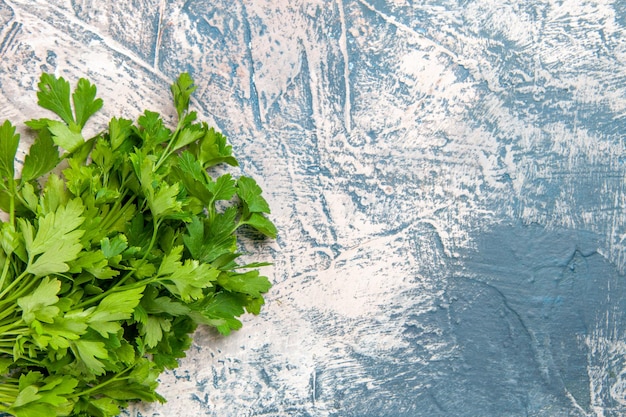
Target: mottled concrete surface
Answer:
pixel 447 178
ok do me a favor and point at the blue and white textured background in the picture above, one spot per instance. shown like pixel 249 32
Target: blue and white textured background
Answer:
pixel 447 176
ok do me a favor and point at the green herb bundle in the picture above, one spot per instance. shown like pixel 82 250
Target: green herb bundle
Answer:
pixel 113 250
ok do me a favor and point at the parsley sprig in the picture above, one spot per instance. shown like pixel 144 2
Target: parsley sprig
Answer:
pixel 114 249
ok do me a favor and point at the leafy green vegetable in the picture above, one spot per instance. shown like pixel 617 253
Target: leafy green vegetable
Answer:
pixel 109 261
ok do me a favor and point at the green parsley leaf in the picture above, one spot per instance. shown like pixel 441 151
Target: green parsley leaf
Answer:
pixel 89 352
pixel 152 130
pixel 42 157
pixel 40 305
pixel 212 150
pixel 152 303
pixel 85 101
pixel 111 264
pixel 250 194
pixel 188 135
pixel 182 89
pixel 250 282
pixel 54 195
pixel 220 311
pixel 153 329
pixel 113 310
pixel 39 396
pixel 223 188
pixel 111 248
pixel 9 141
pixel 161 197
pixel 56 242
pixel 63 136
pixel 119 131
pixel 189 278
pixel 208 245
pixel 262 224
pixel 54 95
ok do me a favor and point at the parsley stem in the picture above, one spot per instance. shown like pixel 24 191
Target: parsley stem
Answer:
pixel 155 229
pixel 13 284
pixel 8 388
pixel 12 192
pixel 95 388
pixel 23 290
pixel 100 296
pixel 7 310
pixel 166 153
pixel 5 270
pixel 117 287
pixel 110 219
pixel 6 332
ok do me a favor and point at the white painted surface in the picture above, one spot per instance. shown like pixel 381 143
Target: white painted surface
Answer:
pixel 396 141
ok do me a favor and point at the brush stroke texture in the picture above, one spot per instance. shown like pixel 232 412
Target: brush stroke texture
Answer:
pixel 447 176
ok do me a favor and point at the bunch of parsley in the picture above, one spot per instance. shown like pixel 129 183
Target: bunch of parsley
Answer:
pixel 113 250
